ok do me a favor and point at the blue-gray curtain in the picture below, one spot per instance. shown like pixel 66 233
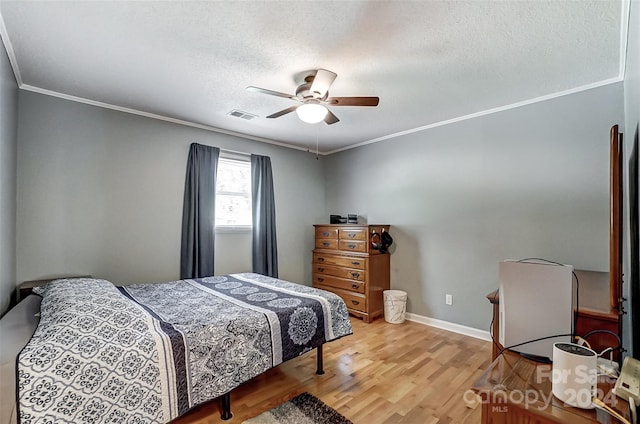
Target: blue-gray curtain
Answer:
pixel 198 212
pixel 264 247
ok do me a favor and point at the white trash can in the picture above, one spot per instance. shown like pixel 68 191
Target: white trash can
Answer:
pixel 395 305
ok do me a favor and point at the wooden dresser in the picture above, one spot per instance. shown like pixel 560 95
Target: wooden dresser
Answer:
pixel 345 263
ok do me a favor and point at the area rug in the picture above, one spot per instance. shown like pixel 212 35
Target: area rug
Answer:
pixel 302 409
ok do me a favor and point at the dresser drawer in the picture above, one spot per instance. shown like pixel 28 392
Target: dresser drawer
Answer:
pixel 327 244
pixel 348 261
pixel 326 232
pixel 354 301
pixel 352 234
pixel 352 245
pixel 337 271
pixel 340 283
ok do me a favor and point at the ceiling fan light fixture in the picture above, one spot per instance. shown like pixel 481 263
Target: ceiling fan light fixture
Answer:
pixel 311 113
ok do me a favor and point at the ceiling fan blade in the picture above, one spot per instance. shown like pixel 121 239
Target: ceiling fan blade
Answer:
pixel 272 93
pixel 330 118
pixel 283 112
pixel 322 81
pixel 353 101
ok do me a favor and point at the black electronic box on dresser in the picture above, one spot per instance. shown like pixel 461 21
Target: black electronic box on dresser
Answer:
pixel 347 260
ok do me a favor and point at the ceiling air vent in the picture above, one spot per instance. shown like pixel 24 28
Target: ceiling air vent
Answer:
pixel 241 114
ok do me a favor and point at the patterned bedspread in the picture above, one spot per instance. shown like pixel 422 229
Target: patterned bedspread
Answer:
pixel 147 353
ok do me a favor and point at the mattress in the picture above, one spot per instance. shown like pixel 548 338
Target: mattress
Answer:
pixel 150 352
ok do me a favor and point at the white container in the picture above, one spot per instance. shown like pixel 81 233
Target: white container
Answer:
pixel 395 306
pixel 574 378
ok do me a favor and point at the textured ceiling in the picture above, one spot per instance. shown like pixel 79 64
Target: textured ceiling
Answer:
pixel 428 61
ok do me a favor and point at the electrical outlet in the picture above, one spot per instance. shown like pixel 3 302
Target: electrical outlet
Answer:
pixel 448 299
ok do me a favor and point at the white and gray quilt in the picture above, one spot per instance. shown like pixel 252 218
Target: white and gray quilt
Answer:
pixel 147 353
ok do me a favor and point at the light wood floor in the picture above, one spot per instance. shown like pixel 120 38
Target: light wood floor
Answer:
pixel 383 373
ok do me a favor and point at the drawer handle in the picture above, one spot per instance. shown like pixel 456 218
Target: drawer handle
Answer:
pixel 355 263
pixel 355 302
pixel 355 274
pixel 320 279
pixel 326 234
pixel 326 244
pixel 351 246
pixel 320 259
pixel 354 286
pixel 320 269
pixel 352 235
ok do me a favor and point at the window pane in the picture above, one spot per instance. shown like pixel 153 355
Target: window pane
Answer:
pixel 233 193
pixel 233 210
pixel 234 177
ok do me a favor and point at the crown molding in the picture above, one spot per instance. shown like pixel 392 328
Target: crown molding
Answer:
pixel 172 120
pixel 9 49
pixel 485 112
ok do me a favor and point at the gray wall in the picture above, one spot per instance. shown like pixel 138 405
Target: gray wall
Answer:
pixel 526 182
pixel 100 193
pixel 632 117
pixel 8 142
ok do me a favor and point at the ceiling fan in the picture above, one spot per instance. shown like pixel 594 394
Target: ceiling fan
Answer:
pixel 313 93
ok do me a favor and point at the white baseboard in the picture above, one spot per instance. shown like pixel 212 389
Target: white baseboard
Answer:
pixel 449 326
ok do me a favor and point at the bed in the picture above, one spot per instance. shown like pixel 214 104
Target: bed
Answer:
pixel 148 353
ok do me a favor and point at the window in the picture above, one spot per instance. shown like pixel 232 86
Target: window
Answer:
pixel 233 194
